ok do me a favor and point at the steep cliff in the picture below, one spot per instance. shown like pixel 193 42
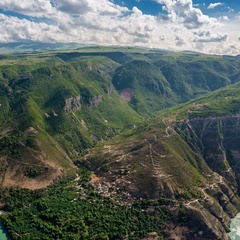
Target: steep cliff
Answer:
pixel 217 139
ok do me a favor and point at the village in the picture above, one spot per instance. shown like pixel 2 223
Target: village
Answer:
pixel 113 190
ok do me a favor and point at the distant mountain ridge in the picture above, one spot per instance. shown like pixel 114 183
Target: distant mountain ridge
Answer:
pixel 15 47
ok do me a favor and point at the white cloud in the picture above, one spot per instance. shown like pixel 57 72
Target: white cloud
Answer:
pixel 75 7
pixel 36 8
pixel 182 26
pixel 208 37
pixel 224 18
pixel 214 5
pixel 162 38
pixel 22 30
pixel 179 41
pixel 202 33
pixel 103 7
pixel 183 11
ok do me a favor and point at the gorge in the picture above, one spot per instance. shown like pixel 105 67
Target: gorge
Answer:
pixel 119 143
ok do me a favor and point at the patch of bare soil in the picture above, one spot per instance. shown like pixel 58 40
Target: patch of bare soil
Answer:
pixel 14 176
pixel 178 233
pixel 151 236
pixel 95 178
pixel 113 150
pixel 15 171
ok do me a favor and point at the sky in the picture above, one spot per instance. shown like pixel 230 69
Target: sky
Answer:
pixel 206 26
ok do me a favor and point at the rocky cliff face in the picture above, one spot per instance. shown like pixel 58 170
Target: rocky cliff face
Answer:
pixel 110 89
pixel 217 139
pixel 72 104
pixel 203 225
pixel 94 102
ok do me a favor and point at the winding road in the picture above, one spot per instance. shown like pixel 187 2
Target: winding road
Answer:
pixel 156 164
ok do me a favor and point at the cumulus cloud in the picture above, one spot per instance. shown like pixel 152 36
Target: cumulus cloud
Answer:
pixel 89 21
pixel 46 8
pixel 214 5
pixel 74 6
pixel 183 11
pixel 224 18
pixel 207 36
pixel 230 10
pixel 179 41
pixel 181 25
pixel 103 7
pixel 36 8
pixel 199 46
pixel 22 30
pixel 162 38
pixel 202 33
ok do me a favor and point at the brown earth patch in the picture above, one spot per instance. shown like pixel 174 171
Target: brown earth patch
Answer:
pixel 95 178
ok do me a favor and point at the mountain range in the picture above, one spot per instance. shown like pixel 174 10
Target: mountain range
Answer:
pixel 154 130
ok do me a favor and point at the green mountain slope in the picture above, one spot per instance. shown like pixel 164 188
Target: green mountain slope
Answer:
pixel 189 155
pixel 71 100
pixel 195 75
pixel 103 113
pixel 67 106
pixel 145 87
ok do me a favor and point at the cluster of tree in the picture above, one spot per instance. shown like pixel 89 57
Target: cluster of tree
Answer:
pixel 10 144
pixel 62 212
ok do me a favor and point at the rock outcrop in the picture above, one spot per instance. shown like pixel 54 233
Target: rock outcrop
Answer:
pixel 95 101
pixel 26 76
pixel 217 139
pixel 203 225
pixel 110 89
pixel 72 104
